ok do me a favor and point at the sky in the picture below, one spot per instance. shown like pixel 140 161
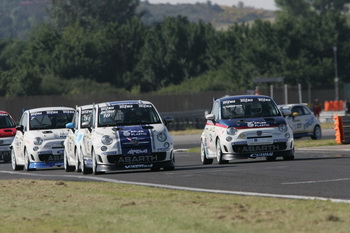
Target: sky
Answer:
pixel 265 4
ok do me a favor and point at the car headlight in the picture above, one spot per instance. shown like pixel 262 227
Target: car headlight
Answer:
pixel 282 128
pixel 107 140
pixel 231 131
pixel 162 136
pixel 38 141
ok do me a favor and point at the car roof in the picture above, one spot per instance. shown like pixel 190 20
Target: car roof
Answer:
pixel 291 105
pixel 243 96
pixel 88 106
pixel 4 112
pixel 49 109
pixel 124 102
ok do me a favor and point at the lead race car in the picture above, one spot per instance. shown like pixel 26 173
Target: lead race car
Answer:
pixel 248 126
pixel 39 138
pixel 128 135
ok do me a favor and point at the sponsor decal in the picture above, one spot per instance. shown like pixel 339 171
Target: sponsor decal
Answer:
pixel 138 159
pixel 246 100
pixel 138 166
pixel 309 123
pixel 137 151
pixel 55 158
pixel 262 148
pixel 228 102
pixel 254 124
pixel 266 154
pixel 280 140
pixel 264 100
pixel 240 143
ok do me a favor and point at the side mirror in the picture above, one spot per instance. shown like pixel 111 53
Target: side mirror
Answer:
pixel 70 125
pixel 210 117
pixel 86 124
pixel 20 128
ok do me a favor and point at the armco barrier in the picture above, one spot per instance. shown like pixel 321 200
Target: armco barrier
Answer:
pixel 186 120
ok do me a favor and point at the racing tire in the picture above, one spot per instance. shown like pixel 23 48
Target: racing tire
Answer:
pixel 204 158
pixel 27 162
pixel 14 164
pixel 67 167
pixel 289 156
pixel 85 170
pixel 219 155
pixel 77 162
pixel 94 164
pixel 317 134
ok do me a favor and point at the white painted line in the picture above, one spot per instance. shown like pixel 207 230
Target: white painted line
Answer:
pixel 98 178
pixel 318 181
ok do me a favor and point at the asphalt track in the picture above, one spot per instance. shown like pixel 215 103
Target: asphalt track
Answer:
pixel 316 173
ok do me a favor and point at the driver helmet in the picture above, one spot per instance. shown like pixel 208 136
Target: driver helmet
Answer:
pixel 256 107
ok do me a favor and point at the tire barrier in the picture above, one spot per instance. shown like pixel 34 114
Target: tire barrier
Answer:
pixel 336 105
pixel 338 129
pixel 342 129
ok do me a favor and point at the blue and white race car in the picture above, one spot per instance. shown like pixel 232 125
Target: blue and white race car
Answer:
pixel 128 135
pixel 247 126
pixel 39 138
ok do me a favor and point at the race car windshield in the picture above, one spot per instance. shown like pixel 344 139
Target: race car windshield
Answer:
pixel 50 119
pixel 249 107
pixel 128 114
pixel 6 121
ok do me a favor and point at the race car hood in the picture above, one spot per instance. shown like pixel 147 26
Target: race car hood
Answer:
pixel 48 134
pixel 7 132
pixel 260 122
pixel 136 139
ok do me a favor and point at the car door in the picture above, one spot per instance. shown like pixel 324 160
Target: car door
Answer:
pixel 299 119
pixel 19 138
pixel 84 137
pixel 309 120
pixel 71 138
pixel 211 128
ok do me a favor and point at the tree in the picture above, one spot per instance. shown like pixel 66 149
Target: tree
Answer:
pixel 91 12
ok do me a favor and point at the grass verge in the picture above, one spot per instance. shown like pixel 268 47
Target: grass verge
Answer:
pixel 57 206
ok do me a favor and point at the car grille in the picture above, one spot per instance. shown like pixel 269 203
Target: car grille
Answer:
pixel 50 157
pixel 259 148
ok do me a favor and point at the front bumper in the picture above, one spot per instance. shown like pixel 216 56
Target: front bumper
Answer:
pixel 244 151
pixel 46 158
pixel 5 154
pixel 156 160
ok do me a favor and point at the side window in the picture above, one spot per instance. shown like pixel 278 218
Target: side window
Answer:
pixel 298 109
pixel 94 117
pixel 216 110
pixel 75 119
pixel 24 121
pixel 307 111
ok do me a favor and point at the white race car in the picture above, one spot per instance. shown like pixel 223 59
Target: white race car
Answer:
pixel 39 138
pixel 129 135
pixel 77 144
pixel 247 126
pixel 302 121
